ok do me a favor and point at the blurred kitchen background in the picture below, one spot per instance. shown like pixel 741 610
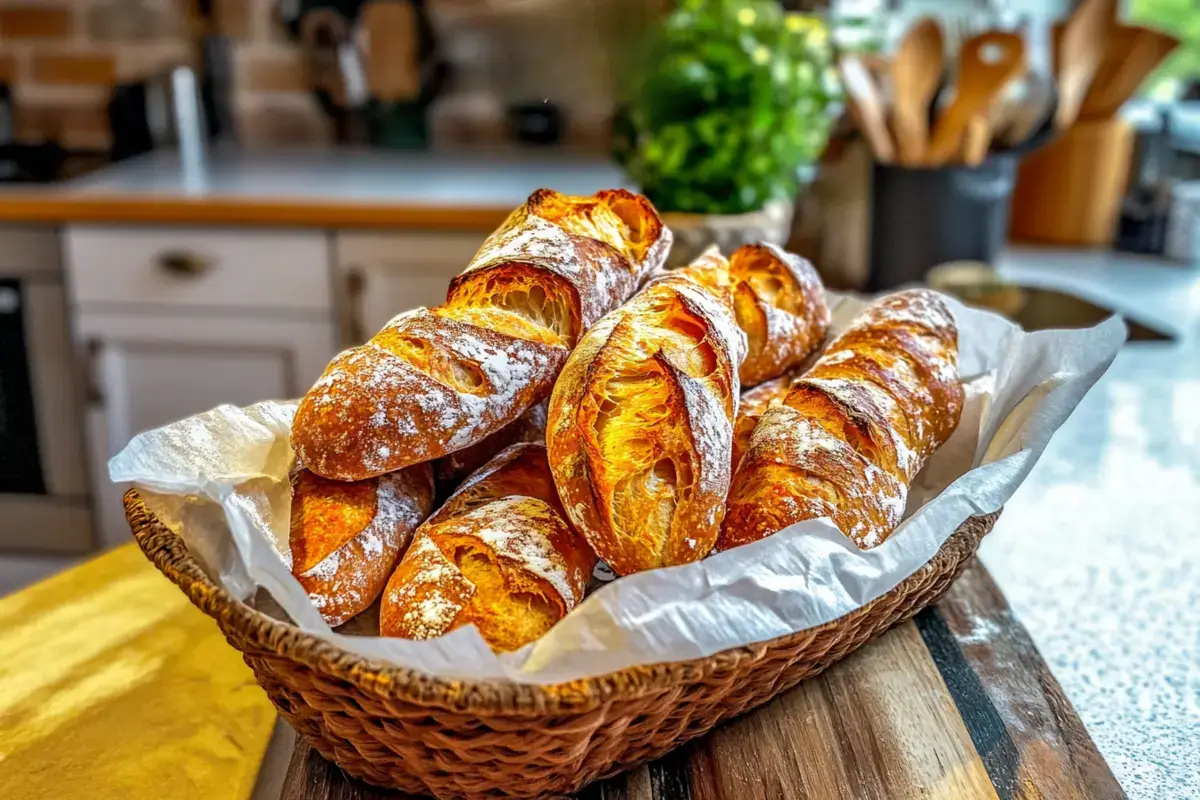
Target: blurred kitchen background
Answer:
pixel 201 202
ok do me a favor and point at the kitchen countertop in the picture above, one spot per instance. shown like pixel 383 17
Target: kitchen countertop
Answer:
pixel 1099 552
pixel 317 188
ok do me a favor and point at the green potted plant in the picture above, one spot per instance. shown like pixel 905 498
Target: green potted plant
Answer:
pixel 728 104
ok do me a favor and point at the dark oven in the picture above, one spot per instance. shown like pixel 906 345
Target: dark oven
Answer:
pixel 44 504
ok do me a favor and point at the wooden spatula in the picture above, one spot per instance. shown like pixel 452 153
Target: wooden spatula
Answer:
pixel 393 58
pixel 916 73
pixel 1080 48
pixel 865 104
pixel 985 66
pixel 1133 53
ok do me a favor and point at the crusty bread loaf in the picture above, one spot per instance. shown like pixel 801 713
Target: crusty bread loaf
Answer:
pixel 498 555
pixel 754 403
pixel 641 425
pixel 437 380
pixel 852 434
pixel 452 469
pixel 780 305
pixel 346 537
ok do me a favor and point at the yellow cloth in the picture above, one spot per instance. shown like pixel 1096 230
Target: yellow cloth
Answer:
pixel 113 685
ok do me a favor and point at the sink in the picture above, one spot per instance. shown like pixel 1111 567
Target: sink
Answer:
pixel 1047 308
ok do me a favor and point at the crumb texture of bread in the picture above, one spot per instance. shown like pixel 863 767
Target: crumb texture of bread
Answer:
pixel 436 381
pixel 498 555
pixel 852 434
pixel 640 426
pixel 345 538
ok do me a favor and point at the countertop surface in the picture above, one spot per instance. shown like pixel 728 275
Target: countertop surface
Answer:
pixel 1099 552
pixel 344 188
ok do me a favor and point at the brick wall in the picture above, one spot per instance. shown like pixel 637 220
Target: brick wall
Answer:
pixel 62 56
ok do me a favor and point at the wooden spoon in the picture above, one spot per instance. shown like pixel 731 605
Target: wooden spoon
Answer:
pixel 393 61
pixel 977 138
pixel 866 106
pixel 985 66
pixel 1080 48
pixel 1133 53
pixel 916 73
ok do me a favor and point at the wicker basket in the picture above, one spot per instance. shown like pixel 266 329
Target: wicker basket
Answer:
pixel 398 728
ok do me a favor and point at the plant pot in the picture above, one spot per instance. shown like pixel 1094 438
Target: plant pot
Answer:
pixel 695 233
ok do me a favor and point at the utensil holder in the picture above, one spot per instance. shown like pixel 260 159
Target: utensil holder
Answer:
pixel 924 217
pixel 1069 192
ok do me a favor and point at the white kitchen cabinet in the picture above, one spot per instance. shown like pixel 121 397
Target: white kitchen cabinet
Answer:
pixel 146 371
pixel 379 275
pixel 170 323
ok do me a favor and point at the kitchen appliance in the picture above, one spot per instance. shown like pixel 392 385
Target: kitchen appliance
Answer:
pixel 44 501
pixel 164 110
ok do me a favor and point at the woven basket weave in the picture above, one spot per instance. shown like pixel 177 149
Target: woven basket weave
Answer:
pixel 397 728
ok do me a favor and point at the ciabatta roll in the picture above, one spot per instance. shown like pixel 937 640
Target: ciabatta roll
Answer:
pixel 852 434
pixel 438 380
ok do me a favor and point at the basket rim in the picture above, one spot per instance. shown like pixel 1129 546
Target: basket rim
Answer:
pixel 386 681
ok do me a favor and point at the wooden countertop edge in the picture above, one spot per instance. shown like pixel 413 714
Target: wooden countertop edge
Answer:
pixel 253 212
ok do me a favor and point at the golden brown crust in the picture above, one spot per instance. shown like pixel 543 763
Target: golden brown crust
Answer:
pixel 346 537
pixel 851 435
pixel 640 426
pixel 434 381
pixel 451 470
pixel 753 405
pixel 778 301
pixel 780 305
pixel 498 555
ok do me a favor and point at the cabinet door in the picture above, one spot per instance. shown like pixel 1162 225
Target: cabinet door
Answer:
pixel 148 371
pixel 381 275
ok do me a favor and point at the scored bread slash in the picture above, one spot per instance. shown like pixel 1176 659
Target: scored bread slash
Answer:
pixel 435 381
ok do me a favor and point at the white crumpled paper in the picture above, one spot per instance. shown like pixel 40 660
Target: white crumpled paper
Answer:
pixel 220 479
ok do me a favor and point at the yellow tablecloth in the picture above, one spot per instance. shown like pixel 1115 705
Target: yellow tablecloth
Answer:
pixel 113 685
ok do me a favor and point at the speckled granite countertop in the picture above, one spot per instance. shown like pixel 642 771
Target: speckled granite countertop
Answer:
pixel 1099 552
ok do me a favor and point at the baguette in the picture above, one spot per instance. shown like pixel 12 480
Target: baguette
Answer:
pixel 852 434
pixel 346 537
pixel 498 555
pixel 753 404
pixel 640 427
pixel 452 469
pixel 438 380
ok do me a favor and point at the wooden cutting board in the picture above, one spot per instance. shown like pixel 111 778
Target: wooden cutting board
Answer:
pixel 954 704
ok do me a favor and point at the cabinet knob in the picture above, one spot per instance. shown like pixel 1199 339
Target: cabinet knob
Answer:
pixel 183 264
pixel 356 287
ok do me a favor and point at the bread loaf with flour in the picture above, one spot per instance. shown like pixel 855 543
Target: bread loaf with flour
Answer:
pixel 851 435
pixel 346 537
pixel 640 427
pixel 438 380
pixel 498 555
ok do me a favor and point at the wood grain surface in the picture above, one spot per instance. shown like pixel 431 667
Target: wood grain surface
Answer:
pixel 954 704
